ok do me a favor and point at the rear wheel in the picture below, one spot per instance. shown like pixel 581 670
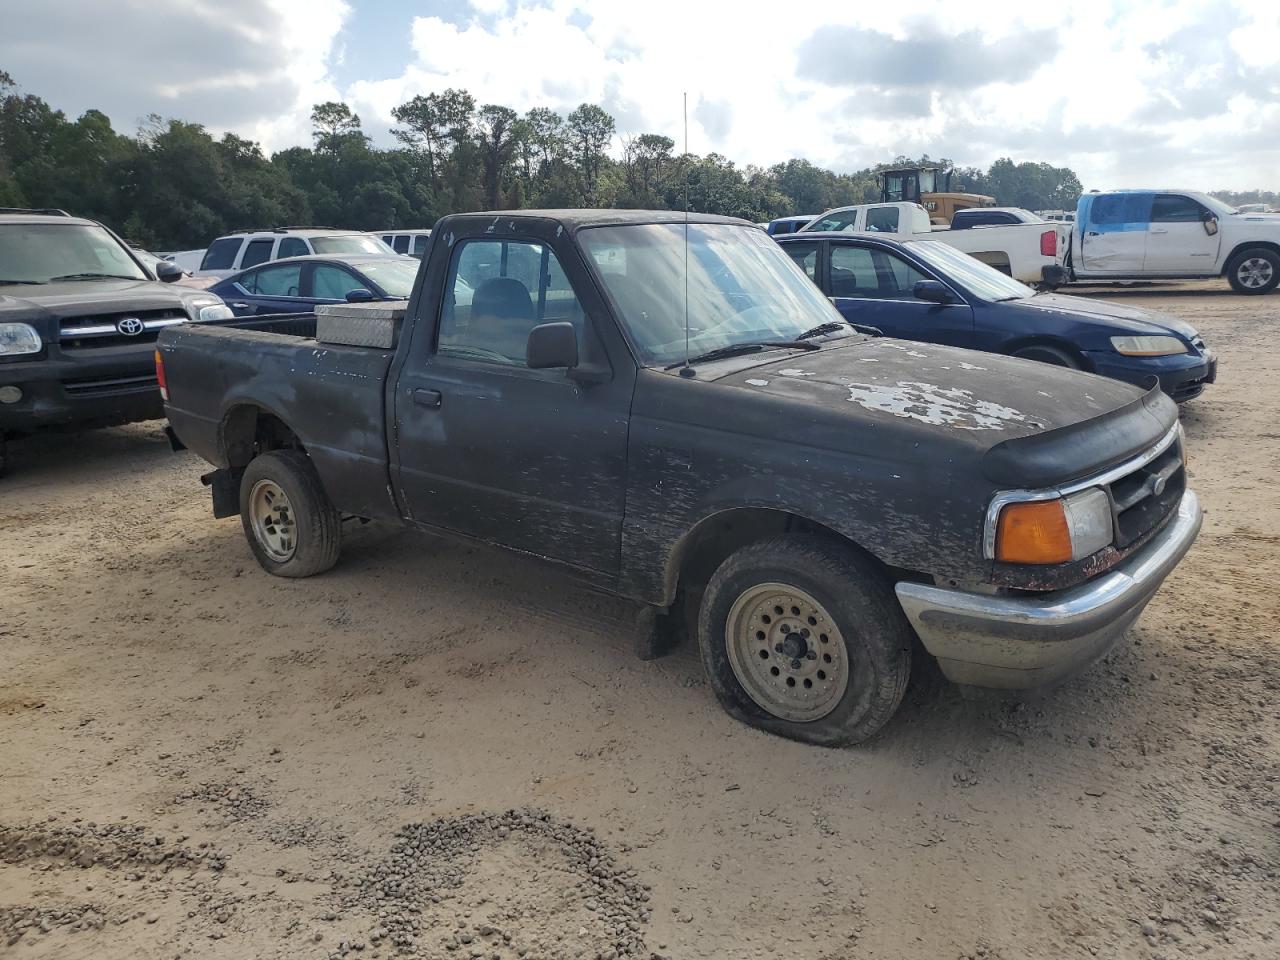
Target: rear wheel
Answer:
pixel 1254 271
pixel 292 528
pixel 803 637
pixel 1046 353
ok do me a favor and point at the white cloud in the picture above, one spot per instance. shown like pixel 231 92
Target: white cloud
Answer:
pixel 1127 95
pixel 1070 88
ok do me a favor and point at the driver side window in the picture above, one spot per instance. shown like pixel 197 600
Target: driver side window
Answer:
pixel 496 293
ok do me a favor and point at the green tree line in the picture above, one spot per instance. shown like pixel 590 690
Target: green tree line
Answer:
pixel 173 185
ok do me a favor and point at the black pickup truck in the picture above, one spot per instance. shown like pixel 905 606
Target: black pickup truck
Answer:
pixel 673 412
pixel 79 317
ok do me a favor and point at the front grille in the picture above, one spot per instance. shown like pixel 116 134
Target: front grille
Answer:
pixel 88 333
pixel 1142 499
pixel 107 386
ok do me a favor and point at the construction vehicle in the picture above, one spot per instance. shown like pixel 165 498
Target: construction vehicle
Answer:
pixel 931 188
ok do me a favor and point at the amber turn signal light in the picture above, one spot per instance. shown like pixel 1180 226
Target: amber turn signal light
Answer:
pixel 1035 532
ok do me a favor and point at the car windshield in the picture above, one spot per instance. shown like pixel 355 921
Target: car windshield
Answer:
pixel 394 276
pixel 981 280
pixel 38 252
pixel 1216 205
pixel 741 287
pixel 350 243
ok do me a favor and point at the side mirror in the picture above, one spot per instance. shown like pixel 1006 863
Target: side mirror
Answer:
pixel 934 291
pixel 359 295
pixel 167 271
pixel 552 345
pixel 1210 223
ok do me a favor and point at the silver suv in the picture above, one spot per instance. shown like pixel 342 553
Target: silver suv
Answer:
pixel 247 248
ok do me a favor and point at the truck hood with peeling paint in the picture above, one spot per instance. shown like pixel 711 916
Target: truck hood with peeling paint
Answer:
pixel 938 388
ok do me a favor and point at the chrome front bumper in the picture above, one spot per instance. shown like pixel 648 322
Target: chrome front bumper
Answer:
pixel 1029 641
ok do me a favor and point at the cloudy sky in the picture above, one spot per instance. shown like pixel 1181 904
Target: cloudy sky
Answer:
pixel 1127 93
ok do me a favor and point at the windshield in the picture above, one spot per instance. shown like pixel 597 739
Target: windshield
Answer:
pixel 1216 205
pixel 980 279
pixel 38 252
pixel 742 287
pixel 350 243
pixel 394 276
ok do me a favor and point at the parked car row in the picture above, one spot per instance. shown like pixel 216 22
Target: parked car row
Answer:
pixel 1030 249
pixel 665 407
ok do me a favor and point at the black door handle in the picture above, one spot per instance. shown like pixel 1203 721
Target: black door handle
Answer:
pixel 427 398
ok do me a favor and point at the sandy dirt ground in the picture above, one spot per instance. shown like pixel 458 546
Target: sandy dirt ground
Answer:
pixel 453 753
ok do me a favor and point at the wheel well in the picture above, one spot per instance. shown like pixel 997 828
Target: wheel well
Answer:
pixel 248 431
pixel 1248 245
pixel 1042 341
pixel 710 543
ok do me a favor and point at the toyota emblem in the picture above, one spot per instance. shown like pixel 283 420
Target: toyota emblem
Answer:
pixel 130 326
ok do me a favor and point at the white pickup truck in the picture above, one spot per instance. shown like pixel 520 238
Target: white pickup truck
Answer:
pixel 1173 234
pixel 1033 251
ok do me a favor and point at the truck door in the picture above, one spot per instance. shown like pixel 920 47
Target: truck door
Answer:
pixel 1113 232
pixel 1176 240
pixel 489 448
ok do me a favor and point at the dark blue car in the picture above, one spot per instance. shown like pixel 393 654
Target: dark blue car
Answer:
pixel 297 284
pixel 926 290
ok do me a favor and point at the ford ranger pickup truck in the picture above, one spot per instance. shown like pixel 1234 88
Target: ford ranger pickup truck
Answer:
pixel 1173 234
pixel 670 410
pixel 79 317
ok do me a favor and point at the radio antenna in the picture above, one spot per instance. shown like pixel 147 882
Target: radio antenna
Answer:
pixel 686 370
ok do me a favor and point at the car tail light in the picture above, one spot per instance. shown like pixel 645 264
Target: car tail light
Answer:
pixel 164 384
pixel 1049 243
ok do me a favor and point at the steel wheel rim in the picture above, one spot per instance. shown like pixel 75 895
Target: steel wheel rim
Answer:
pixel 791 664
pixel 1254 272
pixel 272 519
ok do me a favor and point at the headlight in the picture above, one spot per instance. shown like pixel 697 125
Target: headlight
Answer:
pixel 1148 346
pixel 17 339
pixel 219 311
pixel 1054 531
pixel 208 307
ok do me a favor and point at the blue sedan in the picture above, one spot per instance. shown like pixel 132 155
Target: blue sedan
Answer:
pixel 297 284
pixel 925 290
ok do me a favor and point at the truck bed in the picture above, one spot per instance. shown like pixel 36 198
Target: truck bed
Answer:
pixel 332 398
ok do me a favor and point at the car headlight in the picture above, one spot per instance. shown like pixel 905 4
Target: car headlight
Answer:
pixel 1148 346
pixel 1058 530
pixel 18 339
pixel 219 311
pixel 207 308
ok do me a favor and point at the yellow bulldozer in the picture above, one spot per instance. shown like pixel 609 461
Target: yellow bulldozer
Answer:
pixel 931 188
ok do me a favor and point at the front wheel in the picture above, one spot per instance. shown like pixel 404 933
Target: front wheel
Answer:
pixel 292 528
pixel 803 637
pixel 1254 271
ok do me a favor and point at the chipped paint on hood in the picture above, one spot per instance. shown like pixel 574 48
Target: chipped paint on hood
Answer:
pixel 944 406
pixel 981 396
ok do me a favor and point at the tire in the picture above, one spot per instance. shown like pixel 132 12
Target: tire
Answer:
pixel 1254 271
pixel 299 537
pixel 867 643
pixel 1046 353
